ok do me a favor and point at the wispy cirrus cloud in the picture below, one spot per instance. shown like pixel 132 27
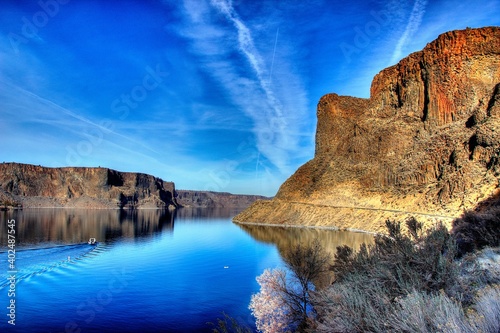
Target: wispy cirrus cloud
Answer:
pixel 412 26
pixel 40 110
pixel 275 102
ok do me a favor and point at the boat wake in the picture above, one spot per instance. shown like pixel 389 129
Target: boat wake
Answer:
pixel 31 262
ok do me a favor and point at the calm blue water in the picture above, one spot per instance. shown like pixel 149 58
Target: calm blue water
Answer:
pixel 151 271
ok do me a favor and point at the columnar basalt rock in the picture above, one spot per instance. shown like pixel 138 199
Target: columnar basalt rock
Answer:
pixel 426 143
pixel 79 187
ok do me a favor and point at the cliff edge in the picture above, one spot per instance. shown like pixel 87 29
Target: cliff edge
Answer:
pixel 32 186
pixel 426 143
pixel 210 199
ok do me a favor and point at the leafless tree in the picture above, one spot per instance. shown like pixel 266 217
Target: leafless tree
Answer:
pixel 309 265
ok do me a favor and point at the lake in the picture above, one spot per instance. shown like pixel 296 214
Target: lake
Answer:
pixel 151 271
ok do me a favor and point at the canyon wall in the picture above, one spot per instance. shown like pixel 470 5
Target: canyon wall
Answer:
pixel 209 199
pixel 32 186
pixel 425 144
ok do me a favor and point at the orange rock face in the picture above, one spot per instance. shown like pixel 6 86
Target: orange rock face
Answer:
pixel 441 83
pixel 426 142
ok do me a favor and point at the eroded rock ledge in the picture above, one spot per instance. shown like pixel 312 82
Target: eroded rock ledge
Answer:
pixel 32 186
pixel 425 144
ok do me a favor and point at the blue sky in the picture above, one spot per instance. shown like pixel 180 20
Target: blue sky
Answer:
pixel 211 94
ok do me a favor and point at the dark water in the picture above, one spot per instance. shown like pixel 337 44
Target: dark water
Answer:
pixel 152 271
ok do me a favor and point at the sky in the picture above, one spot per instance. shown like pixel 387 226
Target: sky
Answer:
pixel 214 95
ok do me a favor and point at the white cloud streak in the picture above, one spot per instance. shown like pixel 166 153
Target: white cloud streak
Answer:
pixel 251 91
pixel 247 47
pixel 411 27
pixel 44 111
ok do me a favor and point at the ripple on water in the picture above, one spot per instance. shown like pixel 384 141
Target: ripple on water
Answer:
pixel 60 259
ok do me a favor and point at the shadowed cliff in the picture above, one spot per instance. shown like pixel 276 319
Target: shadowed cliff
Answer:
pixel 210 199
pixel 426 143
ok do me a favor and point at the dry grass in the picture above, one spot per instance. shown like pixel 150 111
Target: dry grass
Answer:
pixel 486 317
pixel 411 283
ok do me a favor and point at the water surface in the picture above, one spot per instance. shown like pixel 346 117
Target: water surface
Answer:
pixel 152 271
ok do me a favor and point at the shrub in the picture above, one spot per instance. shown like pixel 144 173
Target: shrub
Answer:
pixel 370 282
pixel 487 310
pixel 354 310
pixel 420 312
pixel 399 263
pixel 284 300
pixel 346 307
pixel 414 283
pixel 477 230
pixel 423 313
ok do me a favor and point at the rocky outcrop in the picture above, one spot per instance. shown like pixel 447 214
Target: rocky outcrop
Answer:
pixel 209 199
pixel 426 143
pixel 33 186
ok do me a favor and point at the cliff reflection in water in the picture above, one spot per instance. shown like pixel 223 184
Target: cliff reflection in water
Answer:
pixel 207 213
pixel 287 238
pixel 67 226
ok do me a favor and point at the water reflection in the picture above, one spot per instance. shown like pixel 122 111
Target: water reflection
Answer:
pixel 287 238
pixel 67 226
pixel 192 213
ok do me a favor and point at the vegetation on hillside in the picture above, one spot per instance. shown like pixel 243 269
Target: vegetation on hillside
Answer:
pixel 409 283
pixel 9 203
pixel 413 281
pixel 476 230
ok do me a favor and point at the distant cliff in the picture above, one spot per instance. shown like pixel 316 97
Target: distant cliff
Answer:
pixel 33 186
pixel 208 199
pixel 426 143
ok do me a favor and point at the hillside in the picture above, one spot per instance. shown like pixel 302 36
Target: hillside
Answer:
pixel 426 143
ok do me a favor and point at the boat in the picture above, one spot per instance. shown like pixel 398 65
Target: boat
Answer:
pixel 92 241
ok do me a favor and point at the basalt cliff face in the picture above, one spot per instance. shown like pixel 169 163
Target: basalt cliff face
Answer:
pixel 209 199
pixel 426 143
pixel 33 186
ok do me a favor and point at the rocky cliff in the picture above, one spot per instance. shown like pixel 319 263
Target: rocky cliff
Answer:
pixel 209 199
pixel 426 143
pixel 33 186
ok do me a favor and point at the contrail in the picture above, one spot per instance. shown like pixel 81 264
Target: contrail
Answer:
pixel 413 23
pixel 274 53
pixel 276 134
pixel 72 114
pixel 247 47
